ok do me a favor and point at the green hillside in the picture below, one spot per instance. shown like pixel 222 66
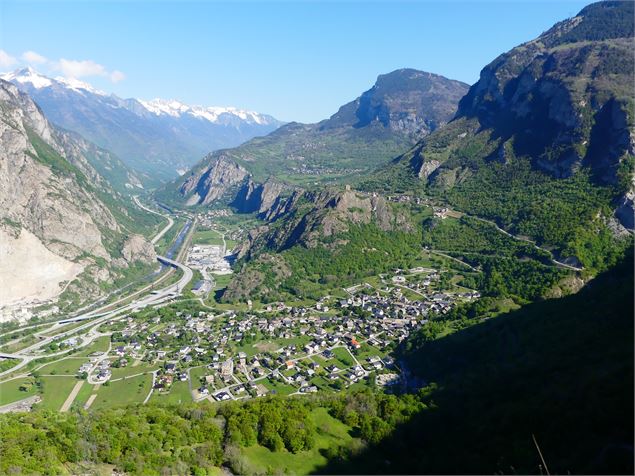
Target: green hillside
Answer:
pixel 561 370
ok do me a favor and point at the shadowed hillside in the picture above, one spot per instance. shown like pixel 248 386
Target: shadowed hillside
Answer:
pixel 561 370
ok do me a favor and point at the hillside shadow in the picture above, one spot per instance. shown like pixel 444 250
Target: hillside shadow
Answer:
pixel 560 370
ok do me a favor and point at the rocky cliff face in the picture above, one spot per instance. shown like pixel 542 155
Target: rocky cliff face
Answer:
pixel 564 100
pixel 207 184
pixel 399 109
pixel 49 191
pixel 307 218
pixel 405 101
pixel 565 97
pixel 224 180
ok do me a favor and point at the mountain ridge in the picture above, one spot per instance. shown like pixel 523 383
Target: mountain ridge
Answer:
pixel 381 123
pixel 544 143
pixel 59 218
pixel 149 136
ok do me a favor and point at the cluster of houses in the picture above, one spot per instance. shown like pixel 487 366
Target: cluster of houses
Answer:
pixel 440 212
pixel 406 199
pixel 208 219
pixel 295 346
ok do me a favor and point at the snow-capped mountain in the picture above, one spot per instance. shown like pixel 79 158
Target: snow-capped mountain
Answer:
pixel 215 114
pixel 157 138
pixel 29 77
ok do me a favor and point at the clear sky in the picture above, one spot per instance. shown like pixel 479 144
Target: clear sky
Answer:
pixel 295 60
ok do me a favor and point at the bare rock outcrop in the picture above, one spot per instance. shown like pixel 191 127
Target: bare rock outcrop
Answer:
pixel 137 248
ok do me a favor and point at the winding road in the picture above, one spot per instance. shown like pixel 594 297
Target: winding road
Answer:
pixel 168 217
pixel 526 240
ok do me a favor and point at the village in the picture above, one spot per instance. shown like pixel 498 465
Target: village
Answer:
pixel 190 348
pixel 338 343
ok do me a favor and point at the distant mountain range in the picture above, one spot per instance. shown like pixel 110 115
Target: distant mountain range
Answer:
pixel 157 138
pixel 402 107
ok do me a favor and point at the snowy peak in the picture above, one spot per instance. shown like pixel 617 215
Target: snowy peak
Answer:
pixel 29 77
pixel 175 108
pixel 78 85
pixel 156 138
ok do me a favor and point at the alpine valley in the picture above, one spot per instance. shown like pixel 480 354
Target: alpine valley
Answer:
pixel 436 279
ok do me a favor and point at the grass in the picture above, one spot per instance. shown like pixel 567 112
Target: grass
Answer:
pixel 10 390
pixel 331 433
pixel 99 345
pixel 67 366
pixel 322 384
pixel 55 390
pixel 207 237
pixel 196 374
pixel 130 370
pixel 123 392
pixel 20 344
pixel 82 397
pixel 368 350
pixel 179 393
pixel 64 328
pixel 278 388
pixel 6 364
pixel 249 349
pixel 221 280
pixel 344 357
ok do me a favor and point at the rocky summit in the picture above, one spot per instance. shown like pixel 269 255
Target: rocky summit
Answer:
pixel 402 107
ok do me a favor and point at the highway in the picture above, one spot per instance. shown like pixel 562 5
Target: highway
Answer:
pixel 96 317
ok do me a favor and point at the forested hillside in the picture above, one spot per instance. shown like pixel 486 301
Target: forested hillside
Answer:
pixel 542 143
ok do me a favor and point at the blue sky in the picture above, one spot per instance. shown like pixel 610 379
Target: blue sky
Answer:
pixel 294 60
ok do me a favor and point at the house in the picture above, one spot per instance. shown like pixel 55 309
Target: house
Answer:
pixel 261 390
pixel 328 354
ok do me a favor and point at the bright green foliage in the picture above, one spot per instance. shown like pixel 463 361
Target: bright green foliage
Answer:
pixel 145 439
pixel 555 212
pixel 344 259
pixel 274 423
